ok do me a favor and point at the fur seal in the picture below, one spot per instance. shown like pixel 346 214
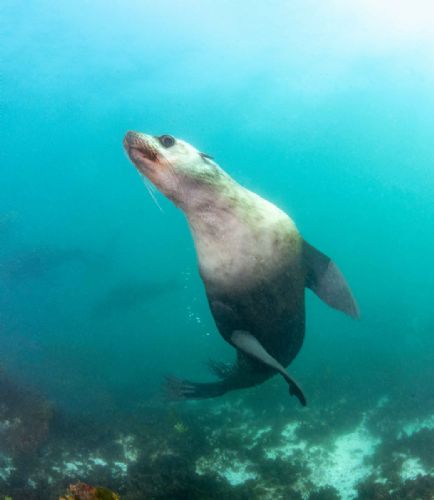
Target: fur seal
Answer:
pixel 253 261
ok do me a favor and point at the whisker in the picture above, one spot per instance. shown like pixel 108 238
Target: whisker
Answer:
pixel 150 188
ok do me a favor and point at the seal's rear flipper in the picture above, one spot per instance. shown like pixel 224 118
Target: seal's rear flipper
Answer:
pixel 247 343
pixel 220 369
pixel 177 389
pixel 324 278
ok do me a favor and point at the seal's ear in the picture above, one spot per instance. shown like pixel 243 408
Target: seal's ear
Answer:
pixel 206 157
pixel 324 278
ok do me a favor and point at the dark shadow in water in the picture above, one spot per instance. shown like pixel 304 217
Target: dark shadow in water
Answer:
pixel 38 262
pixel 129 295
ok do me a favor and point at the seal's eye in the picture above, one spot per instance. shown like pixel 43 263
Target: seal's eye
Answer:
pixel 167 141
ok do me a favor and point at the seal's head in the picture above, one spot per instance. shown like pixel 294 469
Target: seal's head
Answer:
pixel 181 172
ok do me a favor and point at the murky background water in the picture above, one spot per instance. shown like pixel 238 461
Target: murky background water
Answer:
pixel 328 111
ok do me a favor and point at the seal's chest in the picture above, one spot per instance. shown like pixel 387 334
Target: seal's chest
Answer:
pixel 244 253
pixel 243 239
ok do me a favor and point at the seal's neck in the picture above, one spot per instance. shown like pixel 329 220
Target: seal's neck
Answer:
pixel 214 212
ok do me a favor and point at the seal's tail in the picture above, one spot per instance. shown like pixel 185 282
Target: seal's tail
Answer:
pixel 177 389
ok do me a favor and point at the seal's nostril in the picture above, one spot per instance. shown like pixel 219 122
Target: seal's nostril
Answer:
pixel 130 138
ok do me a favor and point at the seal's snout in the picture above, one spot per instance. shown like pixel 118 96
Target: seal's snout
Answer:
pixel 131 139
pixel 139 147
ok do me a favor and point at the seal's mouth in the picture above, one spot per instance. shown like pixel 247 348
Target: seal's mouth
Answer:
pixel 138 148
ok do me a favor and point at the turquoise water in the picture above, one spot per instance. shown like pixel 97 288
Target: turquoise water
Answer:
pixel 325 109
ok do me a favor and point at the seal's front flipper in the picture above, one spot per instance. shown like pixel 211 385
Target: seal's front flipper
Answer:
pixel 247 343
pixel 324 278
